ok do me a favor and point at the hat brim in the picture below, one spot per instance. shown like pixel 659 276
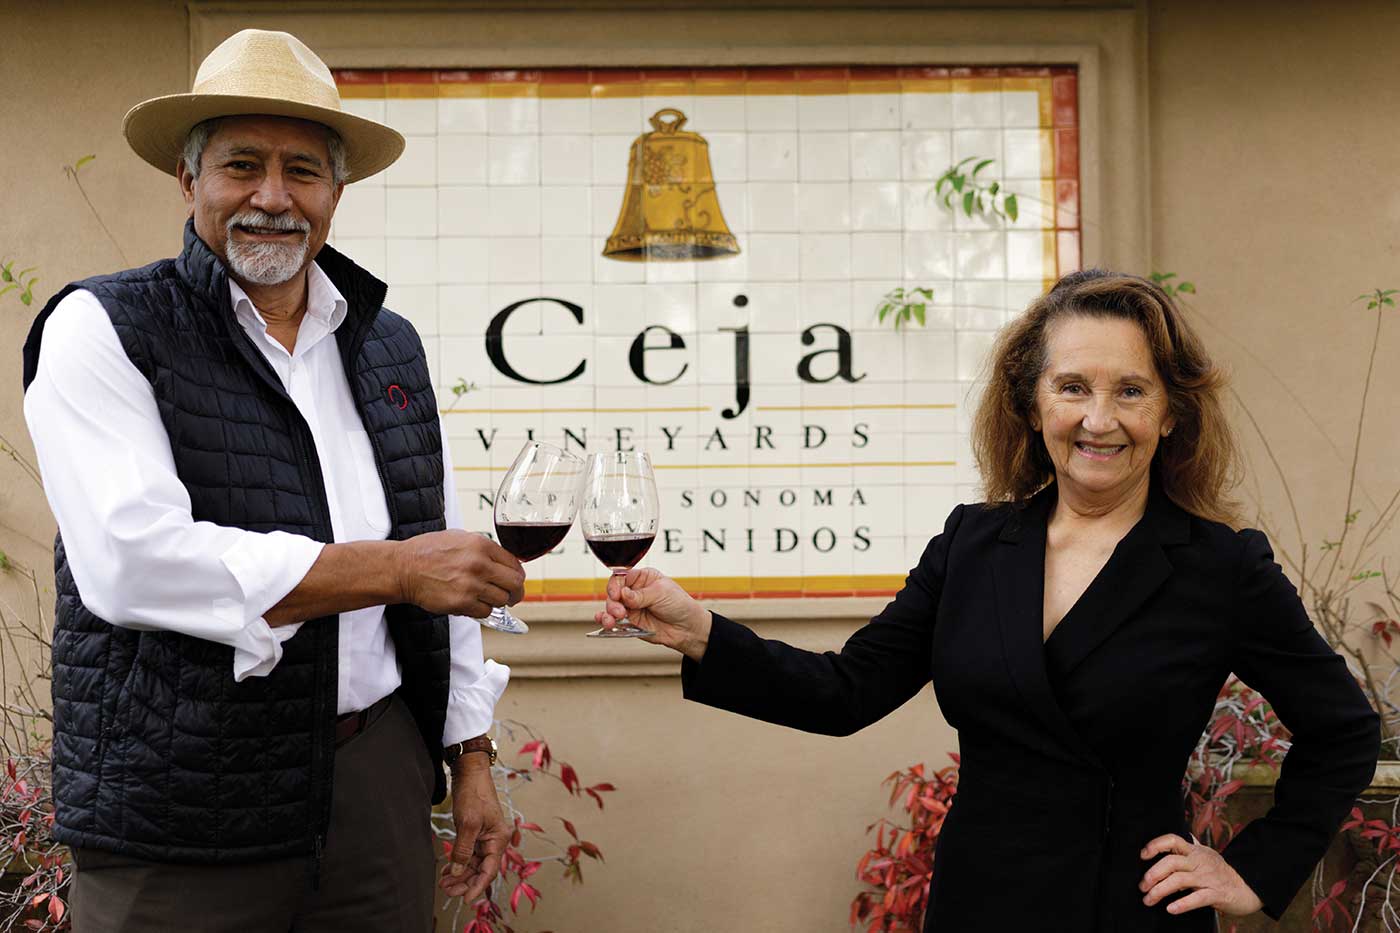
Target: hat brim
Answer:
pixel 156 129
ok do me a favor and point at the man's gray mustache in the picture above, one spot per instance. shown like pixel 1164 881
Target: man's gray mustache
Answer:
pixel 268 221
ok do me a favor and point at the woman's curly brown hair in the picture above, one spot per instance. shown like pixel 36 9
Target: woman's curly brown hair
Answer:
pixel 1197 462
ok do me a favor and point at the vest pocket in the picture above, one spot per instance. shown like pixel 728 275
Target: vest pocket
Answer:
pixel 371 490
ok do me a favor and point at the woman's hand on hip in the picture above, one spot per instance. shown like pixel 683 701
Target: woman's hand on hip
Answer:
pixel 1188 866
pixel 651 600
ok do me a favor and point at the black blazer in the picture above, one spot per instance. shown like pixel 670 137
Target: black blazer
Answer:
pixel 1073 750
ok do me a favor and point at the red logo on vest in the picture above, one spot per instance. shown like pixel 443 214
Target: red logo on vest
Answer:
pixel 398 397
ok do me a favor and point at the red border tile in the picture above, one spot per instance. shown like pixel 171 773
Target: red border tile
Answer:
pixel 357 76
pixel 1064 91
pixel 1067 152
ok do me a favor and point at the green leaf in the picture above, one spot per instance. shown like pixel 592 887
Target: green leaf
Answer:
pixel 83 161
pixel 7 288
pixel 27 298
pixel 965 161
pixel 1009 205
pixel 5 274
pixel 926 292
pixel 21 273
pixel 1186 287
pixel 958 182
pixel 981 165
pixel 995 187
pixel 884 310
pixel 919 313
pixel 968 200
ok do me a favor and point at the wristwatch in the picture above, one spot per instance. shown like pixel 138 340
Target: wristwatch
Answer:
pixel 482 743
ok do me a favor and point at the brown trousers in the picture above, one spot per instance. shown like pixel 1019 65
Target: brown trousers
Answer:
pixel 377 869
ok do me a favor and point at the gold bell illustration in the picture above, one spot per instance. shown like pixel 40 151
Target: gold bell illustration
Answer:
pixel 670 210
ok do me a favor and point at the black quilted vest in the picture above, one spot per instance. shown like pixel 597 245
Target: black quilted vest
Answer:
pixel 157 752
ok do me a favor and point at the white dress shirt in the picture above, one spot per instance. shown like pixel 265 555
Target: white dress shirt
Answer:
pixel 141 560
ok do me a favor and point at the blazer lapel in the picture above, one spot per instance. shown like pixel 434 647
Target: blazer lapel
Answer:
pixel 1019 570
pixel 1135 570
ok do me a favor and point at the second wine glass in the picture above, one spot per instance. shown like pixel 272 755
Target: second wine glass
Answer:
pixel 535 507
pixel 619 517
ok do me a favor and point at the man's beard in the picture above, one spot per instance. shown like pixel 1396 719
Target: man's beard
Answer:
pixel 266 263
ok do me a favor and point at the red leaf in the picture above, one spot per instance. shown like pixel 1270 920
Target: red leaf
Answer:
pixel 591 850
pixel 1338 888
pixel 569 827
pixel 594 794
pixel 529 869
pixel 57 908
pixel 532 827
pixel 604 786
pixel 569 777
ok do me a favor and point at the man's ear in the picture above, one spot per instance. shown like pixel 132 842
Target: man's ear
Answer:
pixel 187 183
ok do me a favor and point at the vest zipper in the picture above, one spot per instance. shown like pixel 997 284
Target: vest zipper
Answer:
pixel 316 862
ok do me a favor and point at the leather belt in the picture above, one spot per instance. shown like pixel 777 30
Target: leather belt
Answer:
pixel 349 725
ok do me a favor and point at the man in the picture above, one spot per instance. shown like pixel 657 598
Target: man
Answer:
pixel 260 654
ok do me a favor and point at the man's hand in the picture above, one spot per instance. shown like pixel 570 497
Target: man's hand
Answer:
pixel 1211 881
pixel 482 832
pixel 458 572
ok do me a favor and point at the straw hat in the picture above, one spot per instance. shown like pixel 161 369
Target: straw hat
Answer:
pixel 258 72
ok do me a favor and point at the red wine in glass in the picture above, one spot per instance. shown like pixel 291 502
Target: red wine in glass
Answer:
pixel 620 550
pixel 528 540
pixel 534 510
pixel 619 516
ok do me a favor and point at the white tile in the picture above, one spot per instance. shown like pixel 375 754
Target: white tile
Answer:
pixel 671 306
pixel 411 261
pixel 462 260
pixel 824 157
pixel 929 355
pixel 369 108
pixel 728 157
pixel 923 210
pixel 611 154
pixel 566 211
pixel 769 112
pixel 1032 212
pixel 728 268
pixel 514 259
pixel 512 115
pixel 417 303
pixel 417 167
pixel 464 211
pixel 463 309
pixel 980 305
pixel 876 205
pixel 670 271
pixel 874 111
pixel 618 115
pixel 1025 256
pixel 461 160
pixel 877 256
pixel 651 106
pixel 513 160
pixel 412 115
pixel 607 207
pixel 980 108
pixel 461 115
pixel 928 255
pixel 525 319
pixel 621 309
pixel 566 259
pixel 823 303
pixel 824 207
pixel 1020 108
pixel 879 355
pixel 773 257
pixel 565 115
pixel 360 212
pixel 972 349
pixel 716 305
pixel 926 111
pixel 1022 154
pixel 719 112
pixel 823 112
pixel 566 160
pixel 412 212
pixel 875 156
pixel 825 256
pixel 772 207
pixel 607 270
pixel 1019 296
pixel 772 156
pixel 926 154
pixel 366 252
pixel 514 210
pixel 980 255
pixel 980 144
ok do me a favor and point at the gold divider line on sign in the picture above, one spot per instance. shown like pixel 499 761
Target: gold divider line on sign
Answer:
pixel 684 408
pixel 884 407
pixel 764 466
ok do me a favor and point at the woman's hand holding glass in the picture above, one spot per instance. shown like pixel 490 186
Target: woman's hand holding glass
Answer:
pixel 653 601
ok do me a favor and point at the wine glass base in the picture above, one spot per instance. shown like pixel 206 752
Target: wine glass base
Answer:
pixel 502 621
pixel 621 630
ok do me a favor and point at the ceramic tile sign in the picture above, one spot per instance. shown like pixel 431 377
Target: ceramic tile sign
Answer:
pixel 693 263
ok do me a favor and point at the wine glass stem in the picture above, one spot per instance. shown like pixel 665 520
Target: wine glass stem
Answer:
pixel 620 575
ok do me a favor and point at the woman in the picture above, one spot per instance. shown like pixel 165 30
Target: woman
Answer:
pixel 1077 628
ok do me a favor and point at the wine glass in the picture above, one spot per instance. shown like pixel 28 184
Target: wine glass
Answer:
pixel 534 509
pixel 619 517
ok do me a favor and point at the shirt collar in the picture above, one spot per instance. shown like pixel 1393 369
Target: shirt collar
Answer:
pixel 324 303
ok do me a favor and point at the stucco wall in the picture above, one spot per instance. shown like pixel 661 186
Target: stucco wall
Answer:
pixel 1271 170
